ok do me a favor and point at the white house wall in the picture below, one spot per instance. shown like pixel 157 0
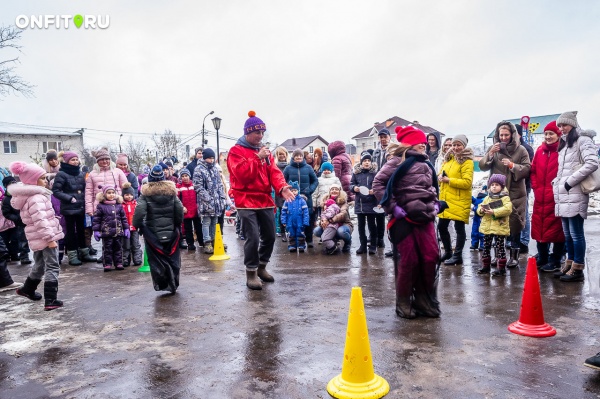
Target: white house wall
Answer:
pixel 30 145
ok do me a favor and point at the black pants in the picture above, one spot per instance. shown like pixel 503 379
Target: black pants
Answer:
pixel 308 230
pixel 461 235
pixel 5 278
pixel 362 235
pixel 380 225
pixel 259 229
pixel 544 252
pixel 74 236
pixel 16 243
pixel 189 232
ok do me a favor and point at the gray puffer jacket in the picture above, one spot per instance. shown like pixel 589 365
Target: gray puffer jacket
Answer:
pixel 570 170
pixel 159 210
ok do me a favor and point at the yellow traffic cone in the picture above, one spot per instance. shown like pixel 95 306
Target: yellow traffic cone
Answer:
pixel 219 249
pixel 358 380
pixel 145 267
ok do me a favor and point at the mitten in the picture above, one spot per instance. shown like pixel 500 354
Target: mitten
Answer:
pixel 398 212
pixel 567 186
pixel 127 233
pixel 97 235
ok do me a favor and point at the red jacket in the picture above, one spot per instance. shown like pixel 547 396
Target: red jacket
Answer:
pixel 129 207
pixel 545 226
pixel 187 195
pixel 252 179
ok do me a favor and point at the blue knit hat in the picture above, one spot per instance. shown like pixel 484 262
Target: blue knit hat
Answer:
pixel 156 174
pixel 253 123
pixel 208 153
pixel 163 165
pixel 327 166
pixel 294 185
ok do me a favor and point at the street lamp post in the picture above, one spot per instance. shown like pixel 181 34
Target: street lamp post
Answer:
pixel 210 113
pixel 120 150
pixel 217 124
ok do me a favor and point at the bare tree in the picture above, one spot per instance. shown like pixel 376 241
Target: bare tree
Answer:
pixel 9 80
pixel 137 154
pixel 167 144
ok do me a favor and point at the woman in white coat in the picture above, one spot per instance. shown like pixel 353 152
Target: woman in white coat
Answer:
pixel 577 159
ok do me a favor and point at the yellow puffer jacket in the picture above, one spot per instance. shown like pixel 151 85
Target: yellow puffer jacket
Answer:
pixel 498 223
pixel 457 193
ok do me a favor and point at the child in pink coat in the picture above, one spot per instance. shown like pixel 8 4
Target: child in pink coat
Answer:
pixel 42 229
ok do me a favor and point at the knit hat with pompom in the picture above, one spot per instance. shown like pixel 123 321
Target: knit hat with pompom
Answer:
pixel 253 123
pixel 29 173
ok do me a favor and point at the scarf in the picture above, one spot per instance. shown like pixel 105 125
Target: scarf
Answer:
pixel 465 154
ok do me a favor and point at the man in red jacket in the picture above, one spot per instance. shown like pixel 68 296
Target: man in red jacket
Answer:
pixel 253 175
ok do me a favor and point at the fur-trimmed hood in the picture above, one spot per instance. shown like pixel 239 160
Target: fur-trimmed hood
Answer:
pixel 165 187
pixel 100 198
pixel 21 192
pixel 358 168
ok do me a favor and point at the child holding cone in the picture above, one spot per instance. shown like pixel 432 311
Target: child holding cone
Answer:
pixel 495 212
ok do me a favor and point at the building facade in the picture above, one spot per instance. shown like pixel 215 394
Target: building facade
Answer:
pixel 32 147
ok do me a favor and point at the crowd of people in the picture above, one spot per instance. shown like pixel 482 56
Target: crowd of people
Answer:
pixel 417 186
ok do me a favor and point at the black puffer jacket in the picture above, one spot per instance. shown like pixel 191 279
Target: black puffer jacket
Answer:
pixel 9 212
pixel 69 183
pixel 364 177
pixel 159 210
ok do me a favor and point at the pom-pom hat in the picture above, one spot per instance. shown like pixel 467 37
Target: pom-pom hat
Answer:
pixel 568 118
pixel 29 173
pixel 254 123
pixel 107 187
pixel 127 189
pixel 410 135
pixel 294 185
pixel 101 154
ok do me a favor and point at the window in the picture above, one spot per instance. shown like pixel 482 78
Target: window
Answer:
pixel 310 149
pixel 323 148
pixel 52 145
pixel 10 147
pixel 364 146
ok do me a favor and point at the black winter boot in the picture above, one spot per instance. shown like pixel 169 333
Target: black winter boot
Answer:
pixel 455 259
pixel 50 291
pixel 575 275
pixel 564 269
pixel 28 289
pixel 361 250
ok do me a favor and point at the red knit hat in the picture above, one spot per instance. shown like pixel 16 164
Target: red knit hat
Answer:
pixel 410 135
pixel 553 128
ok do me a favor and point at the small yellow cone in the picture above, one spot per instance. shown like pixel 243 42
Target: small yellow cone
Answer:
pixel 358 380
pixel 219 249
pixel 145 267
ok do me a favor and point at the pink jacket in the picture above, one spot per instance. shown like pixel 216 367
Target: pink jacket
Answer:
pixel 41 224
pixel 95 181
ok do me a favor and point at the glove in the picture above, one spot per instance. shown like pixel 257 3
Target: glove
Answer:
pixel 398 212
pixel 567 187
pixel 97 235
pixel 73 200
pixel 127 233
pixel 436 207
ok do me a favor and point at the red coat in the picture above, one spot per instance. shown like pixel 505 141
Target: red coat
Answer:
pixel 545 226
pixel 129 207
pixel 187 195
pixel 252 179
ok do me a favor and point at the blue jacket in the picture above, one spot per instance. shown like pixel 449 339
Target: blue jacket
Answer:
pixel 477 200
pixel 306 178
pixel 295 213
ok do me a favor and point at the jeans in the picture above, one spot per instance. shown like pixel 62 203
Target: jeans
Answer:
pixel 526 232
pixel 343 233
pixel 574 238
pixel 209 225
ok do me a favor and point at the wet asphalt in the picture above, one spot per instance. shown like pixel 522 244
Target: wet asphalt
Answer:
pixel 118 338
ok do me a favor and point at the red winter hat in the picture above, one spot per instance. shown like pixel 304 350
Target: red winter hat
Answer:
pixel 553 128
pixel 410 135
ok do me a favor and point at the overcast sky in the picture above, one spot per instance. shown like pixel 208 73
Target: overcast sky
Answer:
pixel 309 67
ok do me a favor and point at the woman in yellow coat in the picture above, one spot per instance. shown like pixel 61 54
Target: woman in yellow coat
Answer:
pixel 456 180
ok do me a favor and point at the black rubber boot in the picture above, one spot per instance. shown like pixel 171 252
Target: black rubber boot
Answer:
pixel 361 250
pixel 50 292
pixel 455 259
pixel 575 275
pixel 28 289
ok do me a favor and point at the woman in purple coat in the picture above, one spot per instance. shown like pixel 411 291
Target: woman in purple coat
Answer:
pixel 407 188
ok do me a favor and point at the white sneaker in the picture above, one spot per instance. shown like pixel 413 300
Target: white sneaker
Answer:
pixel 13 286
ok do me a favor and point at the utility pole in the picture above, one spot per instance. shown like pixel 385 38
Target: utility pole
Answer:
pixel 484 140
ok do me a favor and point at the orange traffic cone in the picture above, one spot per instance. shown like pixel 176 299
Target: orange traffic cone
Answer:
pixel 531 321
pixel 358 380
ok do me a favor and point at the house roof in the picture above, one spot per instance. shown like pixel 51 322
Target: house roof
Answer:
pixel 29 133
pixel 391 124
pixel 536 123
pixel 301 142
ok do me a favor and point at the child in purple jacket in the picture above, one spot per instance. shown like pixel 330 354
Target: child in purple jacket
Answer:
pixel 110 224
